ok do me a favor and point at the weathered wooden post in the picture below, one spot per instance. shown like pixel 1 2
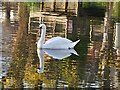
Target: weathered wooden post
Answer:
pixel 66 5
pixel 117 36
pixel 41 6
pixel 54 4
pixel 8 8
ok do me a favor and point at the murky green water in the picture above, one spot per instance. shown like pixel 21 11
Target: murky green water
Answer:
pixel 95 66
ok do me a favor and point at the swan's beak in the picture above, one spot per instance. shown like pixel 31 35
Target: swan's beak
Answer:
pixel 41 28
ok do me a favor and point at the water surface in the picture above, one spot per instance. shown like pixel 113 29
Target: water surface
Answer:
pixel 95 66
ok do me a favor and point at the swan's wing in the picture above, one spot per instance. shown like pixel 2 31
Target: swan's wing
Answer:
pixel 60 39
pixel 57 42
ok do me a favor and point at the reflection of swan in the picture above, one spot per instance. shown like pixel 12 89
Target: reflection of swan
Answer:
pixel 41 58
pixel 57 54
pixel 55 42
pixel 60 54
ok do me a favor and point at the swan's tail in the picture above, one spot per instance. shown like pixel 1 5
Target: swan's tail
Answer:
pixel 72 45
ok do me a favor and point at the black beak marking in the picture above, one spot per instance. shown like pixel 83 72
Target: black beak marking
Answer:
pixel 40 27
pixel 38 68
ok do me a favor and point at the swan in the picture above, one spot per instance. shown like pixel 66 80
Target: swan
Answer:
pixel 55 42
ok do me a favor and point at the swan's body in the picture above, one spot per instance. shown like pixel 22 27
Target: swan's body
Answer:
pixel 55 42
pixel 59 43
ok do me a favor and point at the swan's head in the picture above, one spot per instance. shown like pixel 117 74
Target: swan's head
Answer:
pixel 40 70
pixel 42 26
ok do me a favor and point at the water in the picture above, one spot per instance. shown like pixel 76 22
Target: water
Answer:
pixel 96 65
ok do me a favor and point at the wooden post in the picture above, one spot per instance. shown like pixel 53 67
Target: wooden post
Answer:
pixel 79 9
pixel 41 6
pixel 54 5
pixel 8 10
pixel 66 5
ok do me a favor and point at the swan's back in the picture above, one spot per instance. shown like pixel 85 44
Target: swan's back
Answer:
pixel 59 43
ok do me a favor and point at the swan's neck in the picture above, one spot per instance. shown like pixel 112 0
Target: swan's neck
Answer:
pixel 41 60
pixel 42 38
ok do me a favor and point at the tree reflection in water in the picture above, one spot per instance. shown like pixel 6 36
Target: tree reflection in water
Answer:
pixel 16 70
pixel 93 68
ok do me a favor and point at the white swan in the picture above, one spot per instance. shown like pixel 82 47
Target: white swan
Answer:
pixel 55 42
